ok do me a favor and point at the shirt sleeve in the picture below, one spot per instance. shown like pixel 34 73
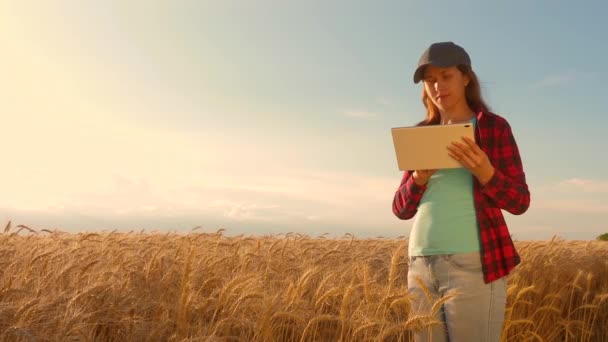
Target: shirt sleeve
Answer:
pixel 407 197
pixel 508 188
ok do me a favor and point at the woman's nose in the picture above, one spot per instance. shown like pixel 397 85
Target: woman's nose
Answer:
pixel 437 86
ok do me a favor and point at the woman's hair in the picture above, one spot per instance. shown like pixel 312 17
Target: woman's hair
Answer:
pixel 472 94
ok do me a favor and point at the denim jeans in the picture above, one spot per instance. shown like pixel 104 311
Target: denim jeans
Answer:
pixel 477 311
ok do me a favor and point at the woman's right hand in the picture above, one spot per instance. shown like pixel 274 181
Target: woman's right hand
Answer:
pixel 421 177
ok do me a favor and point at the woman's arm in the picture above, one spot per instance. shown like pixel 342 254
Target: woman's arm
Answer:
pixel 407 197
pixel 507 187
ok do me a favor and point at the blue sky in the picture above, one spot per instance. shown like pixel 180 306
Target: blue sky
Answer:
pixel 267 117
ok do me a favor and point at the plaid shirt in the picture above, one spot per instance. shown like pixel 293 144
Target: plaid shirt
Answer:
pixel 507 189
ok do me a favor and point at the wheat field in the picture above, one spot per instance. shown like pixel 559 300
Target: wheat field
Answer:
pixel 140 286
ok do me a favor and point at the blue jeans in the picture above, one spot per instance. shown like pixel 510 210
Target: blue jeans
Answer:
pixel 477 311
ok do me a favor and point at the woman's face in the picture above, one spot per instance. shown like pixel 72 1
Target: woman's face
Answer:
pixel 445 86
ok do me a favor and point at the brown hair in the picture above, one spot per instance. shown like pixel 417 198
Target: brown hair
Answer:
pixel 472 94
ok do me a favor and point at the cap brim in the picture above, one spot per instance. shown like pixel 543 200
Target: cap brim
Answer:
pixel 419 73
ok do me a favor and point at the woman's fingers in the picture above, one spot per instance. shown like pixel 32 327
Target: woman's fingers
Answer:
pixel 463 154
pixel 468 153
pixel 472 157
pixel 468 161
pixel 472 145
pixel 455 151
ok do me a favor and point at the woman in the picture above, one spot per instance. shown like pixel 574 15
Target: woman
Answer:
pixel 460 246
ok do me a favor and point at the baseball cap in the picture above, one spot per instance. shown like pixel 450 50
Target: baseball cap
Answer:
pixel 442 54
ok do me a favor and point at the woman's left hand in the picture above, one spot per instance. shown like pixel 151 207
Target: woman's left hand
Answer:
pixel 472 157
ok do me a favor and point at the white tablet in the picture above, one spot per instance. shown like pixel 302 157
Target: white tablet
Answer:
pixel 425 147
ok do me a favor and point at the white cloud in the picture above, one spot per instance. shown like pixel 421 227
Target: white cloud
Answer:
pixel 560 79
pixel 582 206
pixel 240 210
pixel 573 195
pixel 383 100
pixel 584 185
pixel 361 114
pixel 302 200
pixel 284 196
pixel 302 195
pixel 328 188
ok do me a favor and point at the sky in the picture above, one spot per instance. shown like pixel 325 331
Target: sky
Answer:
pixel 268 117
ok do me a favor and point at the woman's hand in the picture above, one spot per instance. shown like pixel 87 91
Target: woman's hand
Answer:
pixel 472 157
pixel 421 177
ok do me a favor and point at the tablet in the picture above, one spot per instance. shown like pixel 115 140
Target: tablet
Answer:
pixel 425 147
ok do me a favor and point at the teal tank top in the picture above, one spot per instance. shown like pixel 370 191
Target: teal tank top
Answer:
pixel 446 222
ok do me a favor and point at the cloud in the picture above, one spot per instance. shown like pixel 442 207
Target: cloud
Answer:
pixel 324 187
pixel 582 206
pixel 584 185
pixel 560 79
pixel 573 195
pixel 240 210
pixel 383 100
pixel 308 201
pixel 284 196
pixel 290 195
pixel 361 114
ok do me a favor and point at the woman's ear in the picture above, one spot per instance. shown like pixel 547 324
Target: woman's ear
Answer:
pixel 467 80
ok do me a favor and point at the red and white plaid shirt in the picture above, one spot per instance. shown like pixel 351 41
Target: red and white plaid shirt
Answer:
pixel 507 190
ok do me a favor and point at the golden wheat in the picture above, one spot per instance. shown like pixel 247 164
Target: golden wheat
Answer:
pixel 137 286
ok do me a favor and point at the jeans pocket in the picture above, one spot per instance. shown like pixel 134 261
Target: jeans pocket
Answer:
pixel 465 261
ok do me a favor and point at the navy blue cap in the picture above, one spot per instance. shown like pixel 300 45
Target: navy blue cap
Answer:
pixel 442 54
